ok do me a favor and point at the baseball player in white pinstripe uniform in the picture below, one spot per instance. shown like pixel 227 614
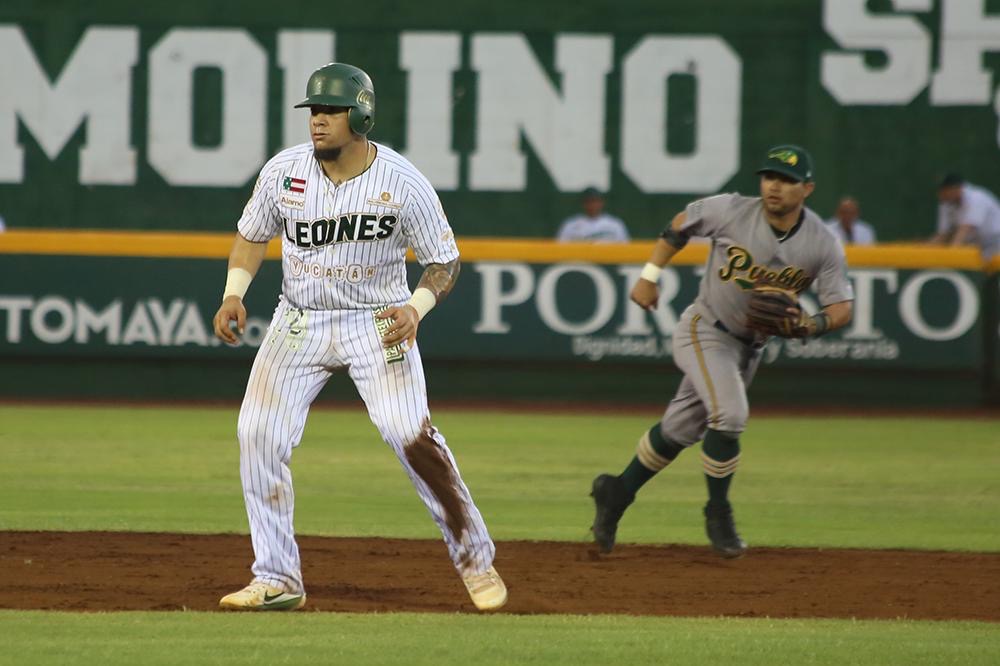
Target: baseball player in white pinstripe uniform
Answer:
pixel 347 210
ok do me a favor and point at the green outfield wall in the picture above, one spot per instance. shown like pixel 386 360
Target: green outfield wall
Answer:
pixel 539 321
pixel 991 316
pixel 500 311
pixel 158 116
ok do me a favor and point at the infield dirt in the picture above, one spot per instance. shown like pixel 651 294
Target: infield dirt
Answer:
pixel 104 571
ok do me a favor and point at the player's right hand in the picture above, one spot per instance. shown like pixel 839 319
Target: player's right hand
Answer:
pixel 231 310
pixel 645 294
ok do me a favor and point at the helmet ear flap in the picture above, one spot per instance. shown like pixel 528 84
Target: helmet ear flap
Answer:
pixel 359 122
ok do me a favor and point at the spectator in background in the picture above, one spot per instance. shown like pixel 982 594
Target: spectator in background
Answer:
pixel 967 214
pixel 593 224
pixel 848 226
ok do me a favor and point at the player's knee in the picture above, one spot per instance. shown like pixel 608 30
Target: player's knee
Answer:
pixel 406 432
pixel 732 418
pixel 681 436
pixel 256 435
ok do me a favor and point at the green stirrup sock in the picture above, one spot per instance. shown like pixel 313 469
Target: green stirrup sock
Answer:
pixel 720 455
pixel 653 454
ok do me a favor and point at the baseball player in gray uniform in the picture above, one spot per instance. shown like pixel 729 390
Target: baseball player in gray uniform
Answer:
pixel 772 238
pixel 347 209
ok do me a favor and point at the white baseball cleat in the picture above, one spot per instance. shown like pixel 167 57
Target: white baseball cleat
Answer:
pixel 487 590
pixel 261 596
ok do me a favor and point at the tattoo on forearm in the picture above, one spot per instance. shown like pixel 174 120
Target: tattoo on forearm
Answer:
pixel 440 278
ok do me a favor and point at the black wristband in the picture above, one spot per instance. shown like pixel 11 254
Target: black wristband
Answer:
pixel 822 321
pixel 675 238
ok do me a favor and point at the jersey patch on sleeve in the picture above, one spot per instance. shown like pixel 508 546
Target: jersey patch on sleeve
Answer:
pixel 293 193
pixel 294 185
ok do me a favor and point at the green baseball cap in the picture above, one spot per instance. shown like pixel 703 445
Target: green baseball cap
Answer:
pixel 789 160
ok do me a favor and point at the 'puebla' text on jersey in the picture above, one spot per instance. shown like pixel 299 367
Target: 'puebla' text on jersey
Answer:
pixel 745 250
pixel 344 246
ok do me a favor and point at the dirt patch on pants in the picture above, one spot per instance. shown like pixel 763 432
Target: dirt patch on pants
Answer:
pixel 103 571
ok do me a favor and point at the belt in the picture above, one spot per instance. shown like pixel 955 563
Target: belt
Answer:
pixel 749 342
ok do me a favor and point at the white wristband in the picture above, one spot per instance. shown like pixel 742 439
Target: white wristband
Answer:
pixel 237 283
pixel 423 300
pixel 651 272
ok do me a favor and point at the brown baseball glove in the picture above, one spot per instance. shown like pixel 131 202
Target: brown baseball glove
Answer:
pixel 774 310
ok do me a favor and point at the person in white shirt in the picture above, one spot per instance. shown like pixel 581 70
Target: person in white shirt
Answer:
pixel 593 224
pixel 848 226
pixel 967 214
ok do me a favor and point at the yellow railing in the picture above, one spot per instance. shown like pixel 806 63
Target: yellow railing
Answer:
pixel 198 245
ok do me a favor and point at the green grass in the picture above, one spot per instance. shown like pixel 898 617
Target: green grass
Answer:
pixel 306 638
pixel 871 482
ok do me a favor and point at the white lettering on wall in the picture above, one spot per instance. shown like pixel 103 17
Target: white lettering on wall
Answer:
pixel 862 323
pixel 52 320
pixel 300 53
pixel 516 98
pixel 243 64
pixel 429 60
pixel 14 306
pixel 56 320
pixel 548 306
pixel 108 320
pixel 644 107
pixel 494 297
pixel 967 299
pixel 905 42
pixel 93 89
pixel 165 318
pixel 561 117
pixel 966 35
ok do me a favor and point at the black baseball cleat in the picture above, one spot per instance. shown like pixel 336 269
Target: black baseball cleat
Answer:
pixel 610 499
pixel 721 532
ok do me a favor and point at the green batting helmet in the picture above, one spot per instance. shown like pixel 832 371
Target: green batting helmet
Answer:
pixel 338 84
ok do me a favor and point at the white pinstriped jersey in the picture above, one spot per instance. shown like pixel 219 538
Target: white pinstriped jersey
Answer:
pixel 344 247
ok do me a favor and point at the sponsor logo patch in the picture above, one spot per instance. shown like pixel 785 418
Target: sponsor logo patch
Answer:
pixel 293 202
pixel 385 199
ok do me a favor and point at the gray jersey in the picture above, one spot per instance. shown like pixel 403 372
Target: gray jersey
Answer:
pixel 344 247
pixel 745 248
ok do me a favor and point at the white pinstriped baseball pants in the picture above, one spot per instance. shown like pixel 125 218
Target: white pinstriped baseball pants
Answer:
pixel 294 362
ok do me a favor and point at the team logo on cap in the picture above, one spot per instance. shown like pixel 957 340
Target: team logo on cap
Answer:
pixel 787 156
pixel 365 98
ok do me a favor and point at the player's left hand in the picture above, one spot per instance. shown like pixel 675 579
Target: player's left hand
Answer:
pixel 645 294
pixel 405 322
